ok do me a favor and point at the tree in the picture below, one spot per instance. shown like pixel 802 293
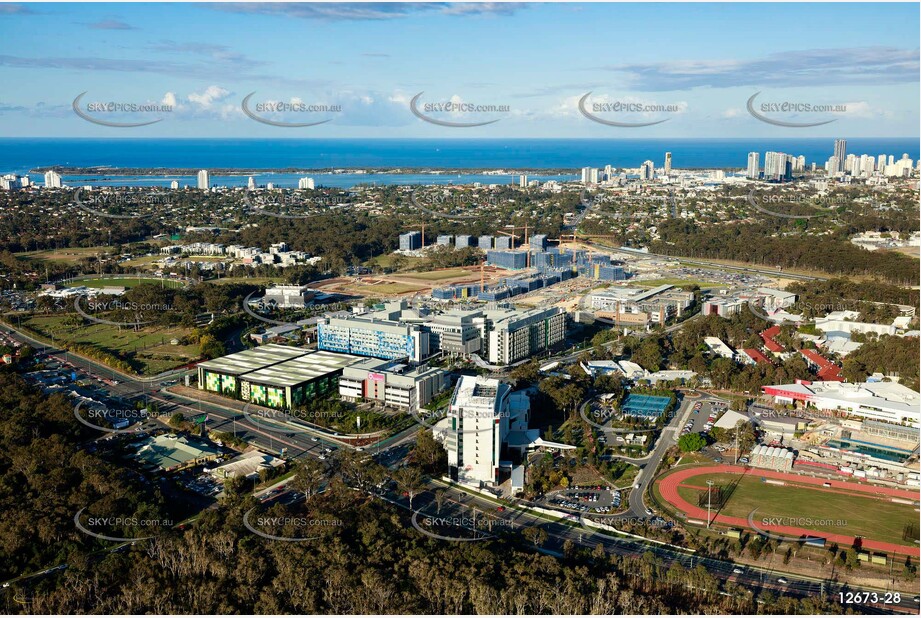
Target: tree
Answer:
pixel 691 442
pixel 409 479
pixel 439 499
pixel 309 475
pixel 535 536
pixel 359 470
pixel 209 347
pixel 177 420
pixel 430 453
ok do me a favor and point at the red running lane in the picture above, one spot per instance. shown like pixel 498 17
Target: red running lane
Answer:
pixel 668 487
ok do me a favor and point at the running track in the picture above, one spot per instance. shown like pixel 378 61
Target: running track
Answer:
pixel 668 487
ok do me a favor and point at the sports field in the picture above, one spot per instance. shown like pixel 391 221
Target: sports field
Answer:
pixel 122 282
pixel 70 255
pixel 150 346
pixel 801 505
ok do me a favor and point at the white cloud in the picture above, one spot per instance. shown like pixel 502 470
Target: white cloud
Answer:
pixel 211 95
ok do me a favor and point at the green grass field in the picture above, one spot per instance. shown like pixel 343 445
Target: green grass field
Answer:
pixel 250 280
pixel 439 275
pixel 386 260
pixel 654 283
pixel 822 511
pixel 384 289
pixel 64 256
pixel 145 261
pixel 107 282
pixel 153 351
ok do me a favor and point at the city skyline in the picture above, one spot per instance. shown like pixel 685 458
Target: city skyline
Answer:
pixel 700 65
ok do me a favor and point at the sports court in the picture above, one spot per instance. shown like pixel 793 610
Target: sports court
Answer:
pixel 647 406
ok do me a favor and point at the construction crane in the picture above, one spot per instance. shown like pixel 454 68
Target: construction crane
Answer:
pixel 513 236
pixel 572 238
pixel 416 227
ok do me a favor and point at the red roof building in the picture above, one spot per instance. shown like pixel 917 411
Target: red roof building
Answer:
pixel 768 337
pixel 825 369
pixel 756 356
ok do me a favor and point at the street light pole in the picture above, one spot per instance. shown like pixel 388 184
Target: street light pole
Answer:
pixel 737 444
pixel 709 487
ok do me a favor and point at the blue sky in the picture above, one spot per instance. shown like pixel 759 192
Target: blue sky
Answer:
pixel 702 61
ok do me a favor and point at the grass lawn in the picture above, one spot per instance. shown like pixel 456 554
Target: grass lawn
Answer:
pixel 252 280
pixel 143 261
pixel 123 282
pixel 69 256
pixel 628 478
pixel 153 351
pixel 439 275
pixel 819 510
pixel 386 260
pixel 384 289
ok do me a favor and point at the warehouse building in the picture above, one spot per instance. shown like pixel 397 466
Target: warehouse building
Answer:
pixel 485 242
pixel 295 382
pixel 390 383
pixel 222 375
pixel 444 240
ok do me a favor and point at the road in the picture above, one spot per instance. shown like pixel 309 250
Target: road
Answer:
pixel 467 505
pixel 392 452
pixel 668 437
pixel 716 265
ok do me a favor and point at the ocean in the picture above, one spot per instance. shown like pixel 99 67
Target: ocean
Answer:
pixel 20 155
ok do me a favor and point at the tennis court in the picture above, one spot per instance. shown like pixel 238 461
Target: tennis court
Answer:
pixel 648 406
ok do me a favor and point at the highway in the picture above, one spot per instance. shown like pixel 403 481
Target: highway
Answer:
pixel 467 505
pixel 713 265
pixel 392 452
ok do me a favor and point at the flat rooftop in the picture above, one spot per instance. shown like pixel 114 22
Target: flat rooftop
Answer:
pixel 881 395
pixel 478 391
pixel 168 451
pixel 302 369
pixel 252 360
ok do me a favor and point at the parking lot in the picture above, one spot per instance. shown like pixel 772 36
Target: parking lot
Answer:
pixel 588 499
pixel 703 416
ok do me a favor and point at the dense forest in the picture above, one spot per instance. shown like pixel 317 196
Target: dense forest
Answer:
pixel 816 298
pixel 761 244
pixel 887 355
